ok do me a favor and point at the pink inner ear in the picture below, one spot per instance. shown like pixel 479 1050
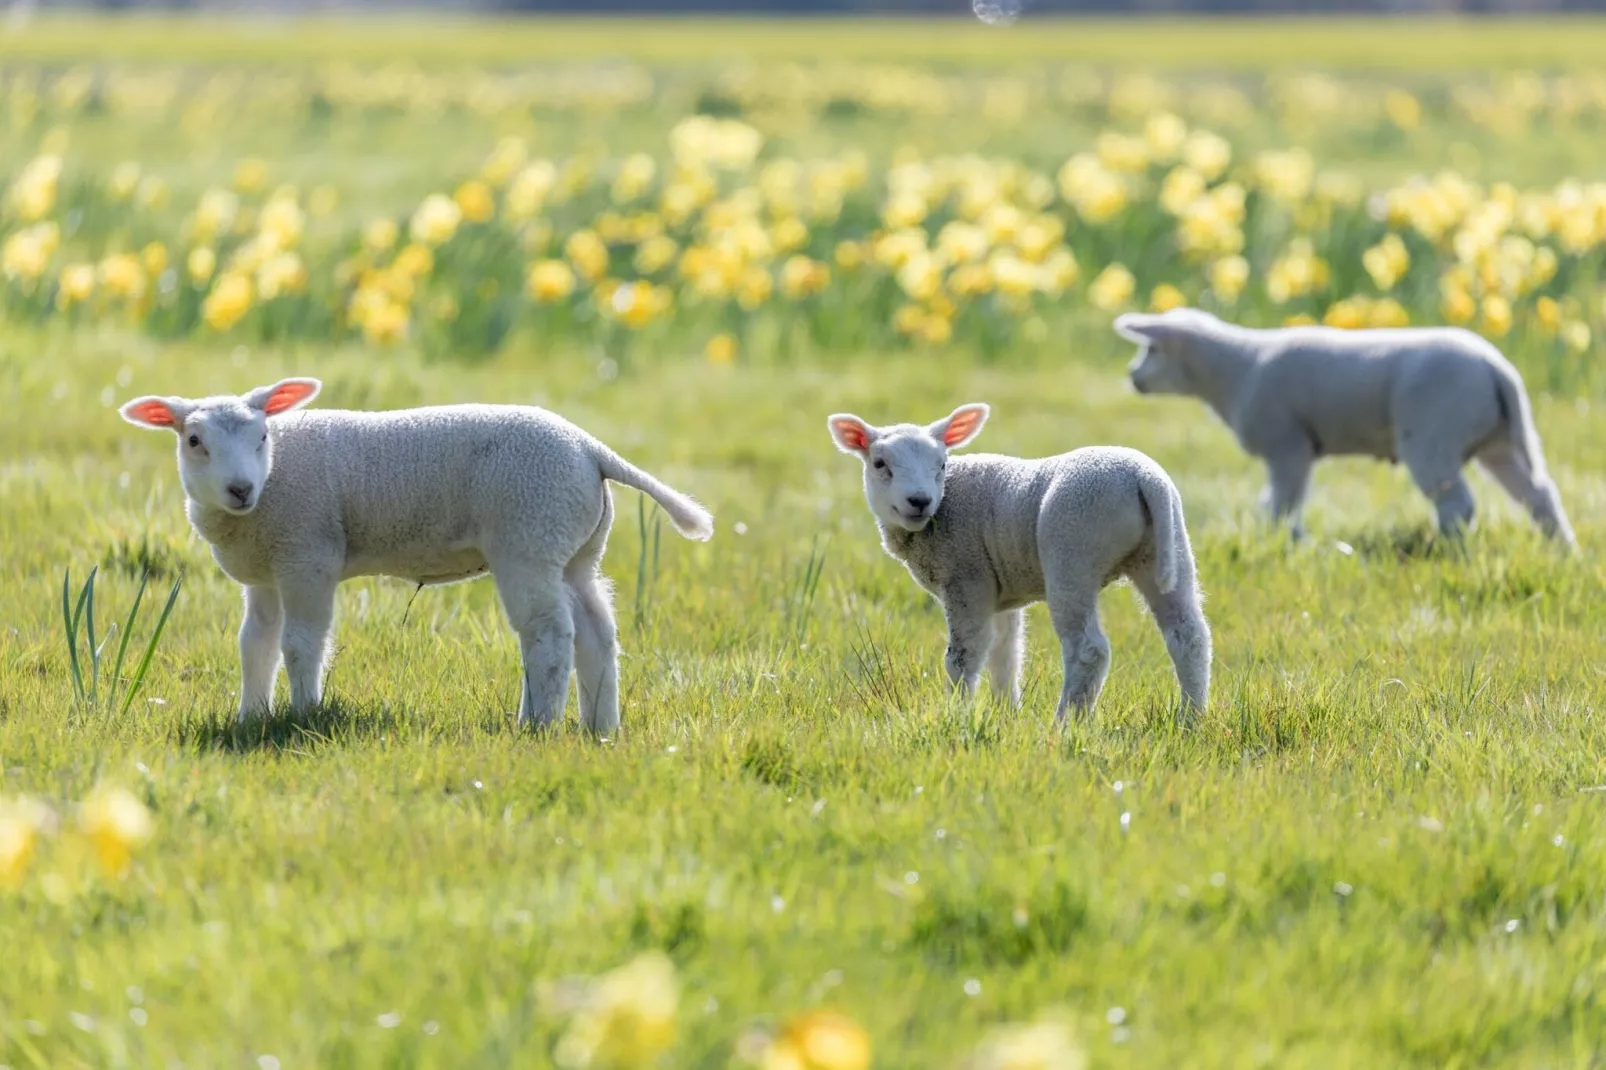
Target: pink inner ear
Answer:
pixel 155 413
pixel 288 396
pixel 960 427
pixel 853 435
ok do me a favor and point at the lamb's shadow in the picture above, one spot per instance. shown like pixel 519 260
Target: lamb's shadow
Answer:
pixel 1400 544
pixel 282 730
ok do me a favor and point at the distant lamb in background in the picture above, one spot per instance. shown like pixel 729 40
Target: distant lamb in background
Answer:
pixel 1431 398
pixel 989 535
pixel 294 503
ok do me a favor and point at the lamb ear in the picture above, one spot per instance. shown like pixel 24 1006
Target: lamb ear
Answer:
pixel 283 396
pixel 962 425
pixel 851 434
pixel 156 414
pixel 1138 327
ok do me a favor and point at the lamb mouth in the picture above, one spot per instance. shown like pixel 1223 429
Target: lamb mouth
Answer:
pixel 915 521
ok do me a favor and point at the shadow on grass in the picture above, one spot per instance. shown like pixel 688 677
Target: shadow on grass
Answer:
pixel 1415 543
pixel 282 730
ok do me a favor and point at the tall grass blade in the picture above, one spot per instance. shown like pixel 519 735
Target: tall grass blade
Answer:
pixel 128 631
pixel 69 623
pixel 138 678
pixel 94 649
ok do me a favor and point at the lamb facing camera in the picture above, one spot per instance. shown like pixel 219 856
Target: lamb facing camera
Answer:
pixel 1429 398
pixel 989 535
pixel 295 502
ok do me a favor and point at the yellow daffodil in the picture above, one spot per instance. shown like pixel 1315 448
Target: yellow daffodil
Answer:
pixel 1112 289
pixel 819 1040
pixel 229 301
pixel 627 1017
pixel 116 825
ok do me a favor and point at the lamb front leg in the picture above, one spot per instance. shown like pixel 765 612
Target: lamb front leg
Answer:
pixel 1289 468
pixel 970 637
pixel 260 633
pixel 309 610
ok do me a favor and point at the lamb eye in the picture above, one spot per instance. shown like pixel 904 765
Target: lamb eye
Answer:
pixel 195 440
pixel 879 463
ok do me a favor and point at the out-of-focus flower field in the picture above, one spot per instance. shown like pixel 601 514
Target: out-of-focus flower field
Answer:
pixel 744 231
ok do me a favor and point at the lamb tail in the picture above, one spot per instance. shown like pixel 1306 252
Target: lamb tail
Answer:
pixel 1165 511
pixel 1519 416
pixel 689 518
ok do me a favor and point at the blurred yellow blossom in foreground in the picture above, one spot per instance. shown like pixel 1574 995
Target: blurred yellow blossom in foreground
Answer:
pixel 626 1017
pixel 818 1040
pixel 116 825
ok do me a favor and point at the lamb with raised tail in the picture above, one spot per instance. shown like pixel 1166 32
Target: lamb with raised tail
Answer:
pixel 989 535
pixel 1431 398
pixel 293 503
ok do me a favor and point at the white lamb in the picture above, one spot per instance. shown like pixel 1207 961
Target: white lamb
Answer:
pixel 294 503
pixel 1432 398
pixel 989 535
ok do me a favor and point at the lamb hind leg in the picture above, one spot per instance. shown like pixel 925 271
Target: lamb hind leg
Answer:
pixel 538 607
pixel 1182 624
pixel 1085 651
pixel 1439 477
pixel 1289 473
pixel 596 654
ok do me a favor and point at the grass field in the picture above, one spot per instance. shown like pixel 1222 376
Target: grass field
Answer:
pixel 1382 846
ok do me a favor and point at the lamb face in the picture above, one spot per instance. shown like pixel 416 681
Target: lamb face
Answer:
pixel 1162 365
pixel 224 450
pixel 904 465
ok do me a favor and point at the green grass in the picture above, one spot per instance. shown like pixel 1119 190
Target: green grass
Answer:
pixel 792 794
pixel 1383 845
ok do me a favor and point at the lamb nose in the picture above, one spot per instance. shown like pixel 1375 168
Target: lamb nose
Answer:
pixel 919 501
pixel 241 492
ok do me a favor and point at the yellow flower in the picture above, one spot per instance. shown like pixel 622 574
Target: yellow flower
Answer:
pixel 1299 271
pixel 790 233
pixel 1286 176
pixel 228 302
pixel 1458 306
pixel 281 222
pixel 1166 297
pixel 1575 333
pixel 505 159
pixel 848 255
pixel 801 276
pixel 1387 261
pixel 475 200
pixel 1349 314
pixel 635 175
pixel 215 213
pixel 122 276
pixel 655 254
pixel 530 189
pixel 627 1017
pixel 1387 312
pixel 1403 110
pixel 721 349
pixel 77 283
pixel 436 219
pixel 1228 277
pixel 385 323
pixel 117 825
pixel 636 304
pixel 1112 288
pixel 250 174
pixel 281 274
pixel 587 253
pixel 23 821
pixel 1547 313
pixel 909 319
pixel 1207 153
pixel 379 235
pixel 1122 153
pixel 1165 134
pixel 1299 319
pixel 1042 1046
pixel 152 192
pixel 200 264
pixel 819 1040
pixel 936 330
pixel 754 287
pixel 33 193
pixel 1496 316
pixel 153 258
pixel 920 276
pixel 550 280
pixel 27 253
pixel 1180 189
pixel 414 261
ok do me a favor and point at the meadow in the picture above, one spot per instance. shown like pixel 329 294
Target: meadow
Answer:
pixel 1381 846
